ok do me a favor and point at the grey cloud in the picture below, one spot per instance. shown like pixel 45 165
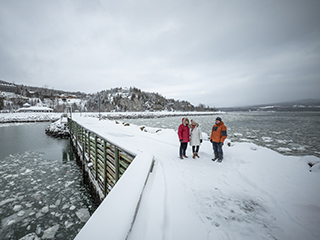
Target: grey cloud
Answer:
pixel 211 52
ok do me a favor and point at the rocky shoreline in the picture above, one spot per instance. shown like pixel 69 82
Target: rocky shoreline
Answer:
pixel 58 129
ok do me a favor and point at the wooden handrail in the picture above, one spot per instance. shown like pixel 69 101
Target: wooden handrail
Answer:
pixel 104 160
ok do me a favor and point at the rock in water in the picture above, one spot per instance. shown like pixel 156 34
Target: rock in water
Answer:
pixel 83 214
pixel 50 232
pixel 17 208
pixel 30 236
pixel 45 209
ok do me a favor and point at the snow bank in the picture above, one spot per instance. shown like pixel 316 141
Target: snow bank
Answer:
pixel 255 193
pixel 28 117
pixel 120 115
pixel 58 129
pixel 45 117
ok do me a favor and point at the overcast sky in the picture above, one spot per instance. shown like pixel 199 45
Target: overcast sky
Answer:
pixel 217 52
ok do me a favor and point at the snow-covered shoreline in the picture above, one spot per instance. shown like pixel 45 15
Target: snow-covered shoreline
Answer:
pixel 58 129
pixel 162 114
pixel 28 117
pixel 51 117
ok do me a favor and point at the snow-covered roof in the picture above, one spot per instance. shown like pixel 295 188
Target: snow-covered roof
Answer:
pixel 26 105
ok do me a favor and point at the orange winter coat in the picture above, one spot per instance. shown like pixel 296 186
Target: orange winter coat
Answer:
pixel 219 133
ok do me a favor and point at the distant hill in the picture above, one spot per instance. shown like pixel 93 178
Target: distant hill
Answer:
pixel 133 99
pixel 116 99
pixel 31 91
pixel 297 105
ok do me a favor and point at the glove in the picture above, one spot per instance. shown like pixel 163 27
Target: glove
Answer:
pixel 200 140
pixel 181 140
pixel 210 140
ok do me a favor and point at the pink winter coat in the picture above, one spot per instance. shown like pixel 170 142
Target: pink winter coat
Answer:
pixel 184 131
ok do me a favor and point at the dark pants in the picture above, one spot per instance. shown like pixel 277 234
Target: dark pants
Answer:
pixel 183 148
pixel 217 149
pixel 195 148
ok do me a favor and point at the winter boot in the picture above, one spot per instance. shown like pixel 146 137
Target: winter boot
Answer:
pixel 215 158
pixel 194 155
pixel 220 158
pixel 197 155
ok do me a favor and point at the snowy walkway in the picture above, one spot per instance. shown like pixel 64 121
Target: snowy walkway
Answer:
pixel 255 193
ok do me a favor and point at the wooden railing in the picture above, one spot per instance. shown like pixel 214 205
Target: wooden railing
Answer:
pixel 104 161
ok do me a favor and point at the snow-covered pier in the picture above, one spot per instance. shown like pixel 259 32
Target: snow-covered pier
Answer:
pixel 103 162
pixel 255 193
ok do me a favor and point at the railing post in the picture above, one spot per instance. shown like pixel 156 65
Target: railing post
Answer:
pixel 117 163
pixel 85 141
pixel 82 135
pixel 83 164
pixel 77 129
pixel 105 180
pixel 83 152
pixel 96 156
pixel 89 146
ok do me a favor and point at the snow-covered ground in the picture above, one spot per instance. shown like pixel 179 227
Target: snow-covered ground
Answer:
pixel 255 193
pixel 34 116
pixel 146 114
pixel 58 128
pixel 28 117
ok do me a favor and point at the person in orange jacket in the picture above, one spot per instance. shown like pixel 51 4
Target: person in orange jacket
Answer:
pixel 218 135
pixel 184 137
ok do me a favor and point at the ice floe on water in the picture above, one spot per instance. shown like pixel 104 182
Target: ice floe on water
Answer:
pixel 41 199
pixel 267 139
pixel 283 149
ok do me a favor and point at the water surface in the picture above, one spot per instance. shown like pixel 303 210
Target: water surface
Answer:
pixel 290 133
pixel 41 189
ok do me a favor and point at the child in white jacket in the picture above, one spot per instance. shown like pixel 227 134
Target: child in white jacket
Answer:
pixel 195 138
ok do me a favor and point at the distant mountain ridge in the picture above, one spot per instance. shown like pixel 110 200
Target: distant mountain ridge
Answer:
pixel 296 105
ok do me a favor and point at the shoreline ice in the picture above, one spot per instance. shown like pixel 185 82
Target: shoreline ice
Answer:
pixel 51 117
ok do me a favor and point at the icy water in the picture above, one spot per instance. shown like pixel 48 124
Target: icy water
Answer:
pixel 289 133
pixel 41 190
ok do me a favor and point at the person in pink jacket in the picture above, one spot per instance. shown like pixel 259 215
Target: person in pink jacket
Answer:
pixel 184 137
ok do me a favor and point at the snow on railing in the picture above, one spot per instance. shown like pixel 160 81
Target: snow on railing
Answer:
pixel 104 161
pixel 115 217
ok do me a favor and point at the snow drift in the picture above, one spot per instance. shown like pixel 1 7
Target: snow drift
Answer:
pixel 255 193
